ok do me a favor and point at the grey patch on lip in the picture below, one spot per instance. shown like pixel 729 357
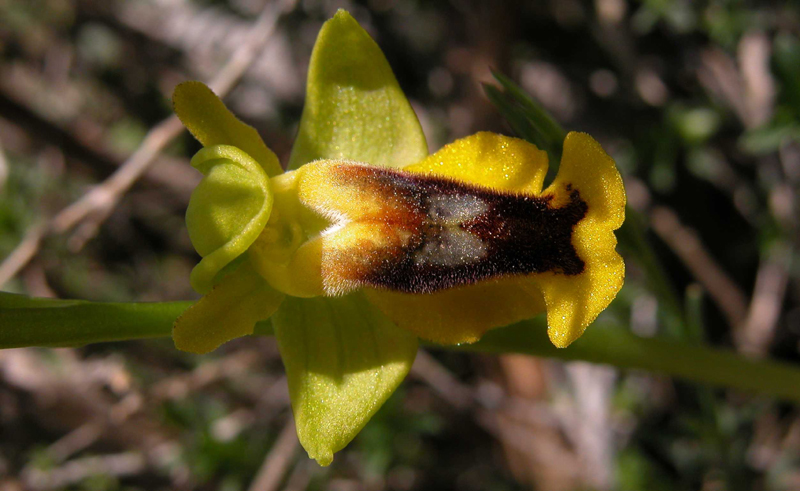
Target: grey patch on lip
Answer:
pixel 446 243
pixel 450 246
pixel 454 209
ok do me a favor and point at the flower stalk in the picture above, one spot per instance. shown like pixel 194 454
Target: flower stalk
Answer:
pixel 63 323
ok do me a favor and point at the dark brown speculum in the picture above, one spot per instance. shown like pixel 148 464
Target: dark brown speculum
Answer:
pixel 448 233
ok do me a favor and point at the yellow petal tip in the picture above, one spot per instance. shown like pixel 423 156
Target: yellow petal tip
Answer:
pixel 574 302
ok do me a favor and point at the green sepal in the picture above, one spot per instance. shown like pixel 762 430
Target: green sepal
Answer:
pixel 229 311
pixel 208 120
pixel 227 211
pixel 354 106
pixel 343 359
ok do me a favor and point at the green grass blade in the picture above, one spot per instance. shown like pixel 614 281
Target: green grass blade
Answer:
pixel 550 129
pixel 48 322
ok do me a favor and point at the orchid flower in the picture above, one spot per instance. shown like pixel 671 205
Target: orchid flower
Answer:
pixel 367 243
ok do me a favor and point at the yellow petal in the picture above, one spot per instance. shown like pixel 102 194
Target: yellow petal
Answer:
pixel 461 315
pixel 491 160
pixel 573 302
pixel 208 120
pixel 230 311
pixel 354 107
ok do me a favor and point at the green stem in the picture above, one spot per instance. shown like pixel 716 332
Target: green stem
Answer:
pixel 46 322
pixel 618 347
pixel 55 323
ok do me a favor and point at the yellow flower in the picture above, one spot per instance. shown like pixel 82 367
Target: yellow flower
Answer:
pixel 466 240
pixel 367 242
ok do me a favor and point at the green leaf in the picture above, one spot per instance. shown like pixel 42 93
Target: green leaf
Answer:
pixel 550 134
pixel 770 137
pixel 208 120
pixel 26 321
pixel 230 311
pixel 227 211
pixel 695 125
pixel 516 118
pixel 354 107
pixel 787 67
pixel 343 359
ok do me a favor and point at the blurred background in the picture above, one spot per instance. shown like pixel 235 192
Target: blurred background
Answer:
pixel 698 102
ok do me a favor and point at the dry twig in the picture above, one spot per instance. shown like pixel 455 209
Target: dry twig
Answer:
pixel 687 246
pixel 90 211
pixel 593 390
pixel 75 471
pixel 301 476
pixel 22 254
pixel 520 424
pixel 277 461
pixel 748 88
pixel 3 168
pixel 758 330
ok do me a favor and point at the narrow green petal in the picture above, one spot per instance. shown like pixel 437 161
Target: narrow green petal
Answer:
pixel 208 120
pixel 354 107
pixel 343 360
pixel 230 311
pixel 227 211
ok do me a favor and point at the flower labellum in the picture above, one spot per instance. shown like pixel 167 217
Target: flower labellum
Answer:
pixel 417 233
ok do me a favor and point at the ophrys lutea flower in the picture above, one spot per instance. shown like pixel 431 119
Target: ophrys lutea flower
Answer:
pixel 367 242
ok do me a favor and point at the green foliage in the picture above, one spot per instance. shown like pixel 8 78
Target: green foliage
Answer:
pixel 528 119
